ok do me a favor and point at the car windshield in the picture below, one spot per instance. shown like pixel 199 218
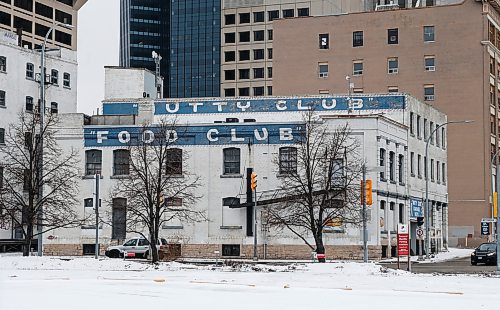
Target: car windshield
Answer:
pixel 487 247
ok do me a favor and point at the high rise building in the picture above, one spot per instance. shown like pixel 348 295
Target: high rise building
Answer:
pixel 31 20
pixel 186 34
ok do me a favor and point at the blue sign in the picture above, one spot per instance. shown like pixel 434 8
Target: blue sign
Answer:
pixel 194 135
pixel 416 208
pixel 320 104
pixel 122 108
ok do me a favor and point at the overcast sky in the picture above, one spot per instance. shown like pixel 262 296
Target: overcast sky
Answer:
pixel 98 46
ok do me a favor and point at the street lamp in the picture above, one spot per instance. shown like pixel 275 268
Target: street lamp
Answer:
pixel 42 120
pixel 427 226
pixel 157 57
pixel 494 160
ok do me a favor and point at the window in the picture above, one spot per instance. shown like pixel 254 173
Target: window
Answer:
pixel 2 98
pixel 443 172
pixel 392 166
pixel 443 138
pixel 258 35
pixel 431 129
pixel 258 17
pixel 429 92
pixel 357 68
pixel 272 15
pixel 29 104
pixel 419 128
pixel 244 74
pixel 119 219
pixel 30 71
pixel 229 92
pixel 392 36
pixel 54 108
pixel 323 70
pixel 244 55
pixel 438 171
pixel 426 130
pixel 26 180
pixel 229 75
pixel 230 37
pixel 324 41
pixel 270 90
pixel 230 201
pixel 258 54
pixel 412 164
pixel 244 91
pixel 303 12
pixel 270 34
pixel 357 38
pixel 230 19
pixel 244 36
pixel 288 13
pixel 288 160
pixel 392 89
pixel 258 91
pixel 93 162
pixel 432 170
pixel 428 33
pixel 174 161
pixel 419 166
pixel 229 56
pixel 3 64
pixel 66 79
pixel 2 135
pixel 337 173
pixel 401 169
pixel 270 53
pixel 88 203
pixel 382 164
pixel 412 123
pixel 121 162
pixel 258 73
pixel 244 18
pixel 269 72
pixel 425 167
pixel 429 63
pixel 392 65
pixel 438 137
pixel 230 250
pixel 357 90
pixel 231 160
pixel 401 213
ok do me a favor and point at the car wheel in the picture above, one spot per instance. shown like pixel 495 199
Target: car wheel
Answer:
pixel 473 263
pixel 114 254
pixel 145 255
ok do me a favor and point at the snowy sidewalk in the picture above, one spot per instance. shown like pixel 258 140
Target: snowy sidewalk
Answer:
pixel 75 283
pixel 452 253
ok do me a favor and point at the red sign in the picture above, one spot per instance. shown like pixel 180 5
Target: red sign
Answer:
pixel 403 244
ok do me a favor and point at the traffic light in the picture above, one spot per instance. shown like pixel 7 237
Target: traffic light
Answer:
pixel 420 220
pixel 368 188
pixel 253 183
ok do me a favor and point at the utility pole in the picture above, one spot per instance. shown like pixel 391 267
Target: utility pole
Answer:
pixel 97 200
pixel 254 189
pixel 365 230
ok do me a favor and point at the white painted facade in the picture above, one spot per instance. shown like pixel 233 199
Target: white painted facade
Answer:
pixel 129 83
pixel 375 129
pixel 19 86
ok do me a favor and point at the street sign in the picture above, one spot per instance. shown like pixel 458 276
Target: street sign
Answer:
pixel 420 233
pixel 485 228
pixel 488 220
pixel 403 240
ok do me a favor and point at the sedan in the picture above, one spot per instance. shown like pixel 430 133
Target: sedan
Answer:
pixel 486 253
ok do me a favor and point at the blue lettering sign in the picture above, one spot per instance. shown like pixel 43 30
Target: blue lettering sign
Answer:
pixel 275 104
pixel 195 135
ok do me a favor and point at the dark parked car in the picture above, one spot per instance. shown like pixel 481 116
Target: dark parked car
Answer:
pixel 486 253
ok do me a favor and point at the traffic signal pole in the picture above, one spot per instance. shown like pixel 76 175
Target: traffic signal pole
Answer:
pixel 254 189
pixel 365 230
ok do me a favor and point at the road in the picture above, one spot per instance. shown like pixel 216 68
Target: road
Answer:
pixel 455 266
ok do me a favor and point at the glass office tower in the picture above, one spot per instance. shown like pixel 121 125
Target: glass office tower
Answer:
pixel 187 36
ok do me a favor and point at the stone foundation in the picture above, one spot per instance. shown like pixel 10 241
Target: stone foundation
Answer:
pixel 299 252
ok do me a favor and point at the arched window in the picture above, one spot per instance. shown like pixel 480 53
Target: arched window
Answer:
pixel 288 160
pixel 232 160
pixel 93 162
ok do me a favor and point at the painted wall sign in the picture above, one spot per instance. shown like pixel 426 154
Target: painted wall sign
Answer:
pixel 195 135
pixel 276 104
pixel 416 208
pixel 122 108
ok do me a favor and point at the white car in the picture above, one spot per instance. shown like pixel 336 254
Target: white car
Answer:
pixel 138 245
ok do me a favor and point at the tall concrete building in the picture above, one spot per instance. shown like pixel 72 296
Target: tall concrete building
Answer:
pixel 31 20
pixel 216 47
pixel 447 56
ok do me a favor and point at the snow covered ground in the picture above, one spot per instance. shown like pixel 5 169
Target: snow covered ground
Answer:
pixel 84 283
pixel 452 253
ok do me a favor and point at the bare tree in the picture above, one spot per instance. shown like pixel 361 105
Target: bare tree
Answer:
pixel 320 182
pixel 21 200
pixel 159 187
